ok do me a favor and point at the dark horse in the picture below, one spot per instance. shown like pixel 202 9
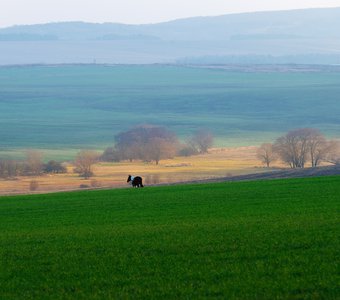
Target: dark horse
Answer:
pixel 136 181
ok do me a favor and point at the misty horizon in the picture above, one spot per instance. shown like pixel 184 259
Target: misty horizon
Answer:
pixel 121 13
pixel 254 37
pixel 170 20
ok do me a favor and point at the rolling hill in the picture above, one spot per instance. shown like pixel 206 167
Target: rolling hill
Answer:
pixel 80 106
pixel 247 240
pixel 293 34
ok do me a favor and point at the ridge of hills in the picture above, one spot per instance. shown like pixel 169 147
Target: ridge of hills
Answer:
pixel 296 33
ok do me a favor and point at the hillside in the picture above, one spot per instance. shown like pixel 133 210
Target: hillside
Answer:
pixel 294 35
pixel 280 174
pixel 72 107
pixel 247 240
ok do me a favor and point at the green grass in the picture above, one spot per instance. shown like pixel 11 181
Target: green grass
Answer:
pixel 70 107
pixel 249 240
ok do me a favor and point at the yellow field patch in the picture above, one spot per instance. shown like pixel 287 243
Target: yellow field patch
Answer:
pixel 219 162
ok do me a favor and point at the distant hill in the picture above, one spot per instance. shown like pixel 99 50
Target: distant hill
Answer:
pixel 295 33
pixel 81 106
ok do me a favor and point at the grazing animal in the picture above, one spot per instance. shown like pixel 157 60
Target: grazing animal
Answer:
pixel 136 181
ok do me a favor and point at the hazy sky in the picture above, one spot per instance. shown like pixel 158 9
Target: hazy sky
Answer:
pixel 136 11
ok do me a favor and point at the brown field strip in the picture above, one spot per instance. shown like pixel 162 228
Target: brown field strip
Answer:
pixel 219 162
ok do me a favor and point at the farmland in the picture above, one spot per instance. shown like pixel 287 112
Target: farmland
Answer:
pixel 219 162
pixel 64 108
pixel 247 240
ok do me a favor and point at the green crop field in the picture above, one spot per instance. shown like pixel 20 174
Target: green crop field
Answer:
pixel 274 239
pixel 72 107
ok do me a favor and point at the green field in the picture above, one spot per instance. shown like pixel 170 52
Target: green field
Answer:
pixel 70 107
pixel 274 239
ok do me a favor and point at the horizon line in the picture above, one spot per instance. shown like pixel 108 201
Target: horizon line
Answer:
pixel 173 20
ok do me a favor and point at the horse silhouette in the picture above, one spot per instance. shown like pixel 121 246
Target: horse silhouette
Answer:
pixel 136 181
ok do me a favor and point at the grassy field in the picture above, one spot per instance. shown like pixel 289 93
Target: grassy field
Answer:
pixel 249 240
pixel 69 107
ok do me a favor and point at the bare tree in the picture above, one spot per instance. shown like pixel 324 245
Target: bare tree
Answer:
pixel 34 162
pixel 34 185
pixel 84 163
pixel 187 149
pixel 147 142
pixel 158 148
pixel 293 148
pixel 266 154
pixel 202 140
pixel 300 145
pixel 317 146
pixel 110 154
pixel 332 154
pixel 10 168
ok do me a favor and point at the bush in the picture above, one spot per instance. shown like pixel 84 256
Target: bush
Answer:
pixel 84 173
pixel 95 183
pixel 152 179
pixel 34 185
pixel 54 167
pixel 187 151
pixel 84 186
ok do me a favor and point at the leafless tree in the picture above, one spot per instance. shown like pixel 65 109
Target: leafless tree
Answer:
pixel 10 168
pixel 84 163
pixel 317 146
pixel 34 162
pixel 293 148
pixel 332 154
pixel 320 149
pixel 159 148
pixel 110 154
pixel 34 185
pixel 300 145
pixel 266 154
pixel 202 140
pixel 187 149
pixel 147 142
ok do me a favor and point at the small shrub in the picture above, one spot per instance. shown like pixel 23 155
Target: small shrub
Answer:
pixel 156 179
pixel 34 185
pixel 95 183
pixel 187 151
pixel 152 179
pixel 84 186
pixel 147 179
pixel 54 167
pixel 84 173
pixel 169 178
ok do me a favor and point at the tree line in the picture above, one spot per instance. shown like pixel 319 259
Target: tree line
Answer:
pixel 147 143
pixel 300 147
pixel 154 143
pixel 32 165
